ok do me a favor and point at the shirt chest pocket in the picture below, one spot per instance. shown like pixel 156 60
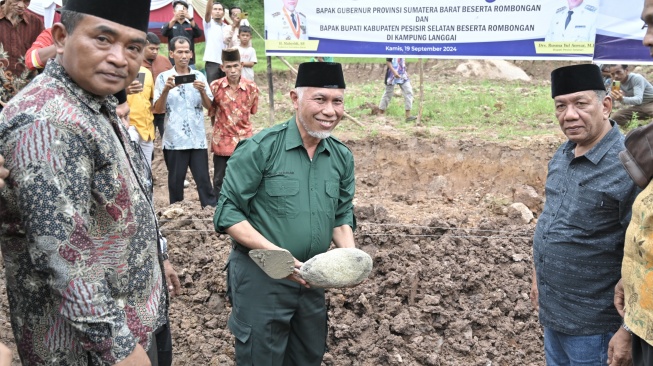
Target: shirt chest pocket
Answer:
pixel 332 191
pixel 590 199
pixel 284 197
pixel 591 209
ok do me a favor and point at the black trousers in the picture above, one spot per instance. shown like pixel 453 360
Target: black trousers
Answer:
pixel 164 345
pixel 178 162
pixel 159 119
pixel 219 168
pixel 213 71
pixel 642 352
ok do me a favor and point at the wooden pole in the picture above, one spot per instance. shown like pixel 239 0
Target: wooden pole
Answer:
pixel 270 91
pixel 295 72
pixel 421 91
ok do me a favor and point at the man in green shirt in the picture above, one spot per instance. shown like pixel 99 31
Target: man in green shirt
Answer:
pixel 290 186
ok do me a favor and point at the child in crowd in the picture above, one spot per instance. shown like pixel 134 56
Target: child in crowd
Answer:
pixel 247 52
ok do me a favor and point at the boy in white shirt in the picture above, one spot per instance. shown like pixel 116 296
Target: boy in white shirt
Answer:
pixel 247 52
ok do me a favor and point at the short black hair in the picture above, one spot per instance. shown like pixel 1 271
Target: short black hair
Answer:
pixel 231 11
pixel 625 67
pixel 153 39
pixel 182 2
pixel 70 20
pixel 244 28
pixel 178 39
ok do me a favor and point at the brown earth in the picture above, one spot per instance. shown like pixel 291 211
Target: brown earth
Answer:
pixel 452 265
pixel 451 271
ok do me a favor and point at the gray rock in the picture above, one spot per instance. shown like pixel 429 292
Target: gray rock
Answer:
pixel 519 211
pixel 342 267
pixel 528 196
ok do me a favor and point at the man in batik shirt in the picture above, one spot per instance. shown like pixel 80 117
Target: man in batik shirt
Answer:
pixel 78 231
pixel 18 29
pixel 235 99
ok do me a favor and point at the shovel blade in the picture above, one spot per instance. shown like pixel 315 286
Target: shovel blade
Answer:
pixel 277 264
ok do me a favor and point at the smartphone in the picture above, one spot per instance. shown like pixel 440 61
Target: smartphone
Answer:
pixel 616 85
pixel 141 78
pixel 243 15
pixel 184 79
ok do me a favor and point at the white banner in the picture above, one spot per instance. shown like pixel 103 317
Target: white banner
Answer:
pixel 516 29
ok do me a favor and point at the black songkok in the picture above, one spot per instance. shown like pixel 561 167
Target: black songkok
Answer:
pixel 320 75
pixel 576 78
pixel 130 13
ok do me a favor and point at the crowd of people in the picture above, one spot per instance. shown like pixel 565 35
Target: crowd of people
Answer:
pixel 88 274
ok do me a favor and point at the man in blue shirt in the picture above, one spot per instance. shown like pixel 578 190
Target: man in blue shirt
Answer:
pixel 579 238
pixel 184 139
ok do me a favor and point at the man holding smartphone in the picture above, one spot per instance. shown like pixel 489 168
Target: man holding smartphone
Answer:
pixel 182 24
pixel 214 27
pixel 141 120
pixel 635 94
pixel 238 19
pixel 181 92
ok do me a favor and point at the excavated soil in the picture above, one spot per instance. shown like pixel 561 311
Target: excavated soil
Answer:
pixel 452 262
pixel 451 270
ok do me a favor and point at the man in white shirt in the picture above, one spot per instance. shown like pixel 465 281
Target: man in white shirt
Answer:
pixel 213 32
pixel 231 32
pixel 575 22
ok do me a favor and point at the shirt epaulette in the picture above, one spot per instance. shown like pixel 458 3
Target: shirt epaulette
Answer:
pixel 590 8
pixel 335 139
pixel 276 14
pixel 274 130
pixel 561 9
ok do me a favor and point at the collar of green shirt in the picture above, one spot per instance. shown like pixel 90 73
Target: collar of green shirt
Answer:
pixel 294 138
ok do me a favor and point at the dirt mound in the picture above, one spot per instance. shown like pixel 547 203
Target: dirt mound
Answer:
pixel 451 272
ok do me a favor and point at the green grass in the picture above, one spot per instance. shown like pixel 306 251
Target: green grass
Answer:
pixel 491 110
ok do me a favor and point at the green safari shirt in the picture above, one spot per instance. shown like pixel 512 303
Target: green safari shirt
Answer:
pixel 292 201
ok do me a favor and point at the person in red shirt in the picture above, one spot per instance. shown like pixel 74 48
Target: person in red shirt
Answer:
pixel 41 51
pixel 235 99
pixel 18 29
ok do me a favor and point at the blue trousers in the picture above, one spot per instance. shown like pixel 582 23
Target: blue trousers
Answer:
pixel 562 349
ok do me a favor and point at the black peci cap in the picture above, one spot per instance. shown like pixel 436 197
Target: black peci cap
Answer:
pixel 230 55
pixel 576 78
pixel 320 75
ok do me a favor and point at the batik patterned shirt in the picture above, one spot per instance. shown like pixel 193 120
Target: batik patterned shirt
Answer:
pixel 15 40
pixel 184 123
pixel 77 228
pixel 232 109
pixel 637 269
